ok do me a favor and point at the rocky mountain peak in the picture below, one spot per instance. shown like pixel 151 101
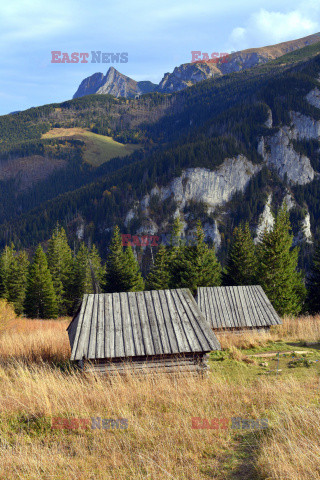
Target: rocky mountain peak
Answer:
pixel 187 74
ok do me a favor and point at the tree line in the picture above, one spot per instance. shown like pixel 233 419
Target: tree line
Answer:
pixel 53 283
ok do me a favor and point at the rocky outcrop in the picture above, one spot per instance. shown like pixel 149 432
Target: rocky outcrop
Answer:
pixel 113 83
pixel 266 221
pixel 306 228
pixel 90 85
pixel 212 232
pixel 289 201
pixel 186 75
pixel 304 127
pixel 278 152
pixel 304 235
pixel 211 187
pixel 313 97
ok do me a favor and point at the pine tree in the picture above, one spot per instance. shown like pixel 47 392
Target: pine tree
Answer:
pixel 241 266
pixel 40 301
pixel 197 266
pixel 159 275
pixel 60 263
pixel 314 282
pixel 277 269
pixel 17 281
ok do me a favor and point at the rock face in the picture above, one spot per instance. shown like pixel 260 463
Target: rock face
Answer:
pixel 313 97
pixel 187 74
pixel 113 83
pixel 305 234
pixel 211 187
pixel 306 228
pixel 278 153
pixel 89 85
pixel 266 220
pixel 304 128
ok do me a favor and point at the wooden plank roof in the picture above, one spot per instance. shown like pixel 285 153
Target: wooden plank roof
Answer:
pixel 236 307
pixel 120 325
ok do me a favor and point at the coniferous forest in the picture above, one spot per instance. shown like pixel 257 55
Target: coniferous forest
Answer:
pixel 51 283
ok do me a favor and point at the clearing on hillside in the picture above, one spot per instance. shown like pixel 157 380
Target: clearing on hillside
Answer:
pixel 99 148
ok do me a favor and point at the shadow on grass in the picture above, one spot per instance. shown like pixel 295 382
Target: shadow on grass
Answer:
pixel 303 344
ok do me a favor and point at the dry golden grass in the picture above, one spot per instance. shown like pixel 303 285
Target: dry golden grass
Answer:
pixel 159 442
pixel 303 329
pixel 34 340
pixel 7 316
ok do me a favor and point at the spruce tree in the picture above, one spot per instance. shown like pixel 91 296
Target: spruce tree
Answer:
pixel 277 270
pixel 133 278
pixel 241 266
pixel 115 280
pixel 17 281
pixel 159 275
pixel 87 275
pixel 6 259
pixel 197 266
pixel 175 237
pixel 314 282
pixel 122 269
pixel 60 263
pixel 175 253
pixel 40 301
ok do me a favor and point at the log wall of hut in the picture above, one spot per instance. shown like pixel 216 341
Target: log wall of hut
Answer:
pixel 195 363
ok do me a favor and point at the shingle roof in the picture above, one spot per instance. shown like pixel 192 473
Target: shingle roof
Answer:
pixel 236 307
pixel 119 325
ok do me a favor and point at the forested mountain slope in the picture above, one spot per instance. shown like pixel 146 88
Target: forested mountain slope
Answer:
pixel 224 150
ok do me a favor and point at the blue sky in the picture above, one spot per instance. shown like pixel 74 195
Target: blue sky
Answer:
pixel 157 36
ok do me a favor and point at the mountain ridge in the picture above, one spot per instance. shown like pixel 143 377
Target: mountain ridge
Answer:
pixel 187 74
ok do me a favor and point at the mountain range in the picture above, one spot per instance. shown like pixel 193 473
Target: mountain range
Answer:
pixel 228 149
pixel 119 85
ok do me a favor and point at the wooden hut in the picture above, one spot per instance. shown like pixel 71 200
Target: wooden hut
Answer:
pixel 237 308
pixel 162 330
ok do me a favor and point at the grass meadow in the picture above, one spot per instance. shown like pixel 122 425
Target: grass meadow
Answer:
pixel 38 384
pixel 99 148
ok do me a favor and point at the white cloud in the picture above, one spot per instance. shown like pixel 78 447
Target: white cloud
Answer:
pixel 269 27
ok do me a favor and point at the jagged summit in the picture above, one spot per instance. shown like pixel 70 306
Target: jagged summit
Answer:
pixel 187 74
pixel 113 83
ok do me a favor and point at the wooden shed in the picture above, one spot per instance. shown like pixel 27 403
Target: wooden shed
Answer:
pixel 237 308
pixel 162 330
